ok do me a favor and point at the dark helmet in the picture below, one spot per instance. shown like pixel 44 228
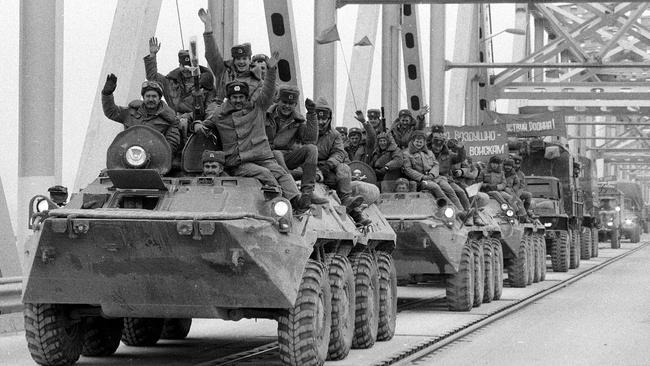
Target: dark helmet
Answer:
pixel 508 162
pixel 151 85
pixel 495 159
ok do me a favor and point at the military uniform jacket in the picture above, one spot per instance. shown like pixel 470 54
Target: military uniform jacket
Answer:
pixel 418 163
pixel 330 147
pixel 162 120
pixel 402 135
pixel 242 132
pixel 363 151
pixel 292 132
pixel 391 157
pixel 493 179
pixel 512 181
pixel 447 159
pixel 522 180
pixel 225 71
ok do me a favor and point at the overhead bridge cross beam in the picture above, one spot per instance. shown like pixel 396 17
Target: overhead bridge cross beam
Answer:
pixel 341 3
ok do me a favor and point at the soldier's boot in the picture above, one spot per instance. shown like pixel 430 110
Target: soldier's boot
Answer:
pixel 351 202
pixel 301 203
pixel 358 217
pixel 314 198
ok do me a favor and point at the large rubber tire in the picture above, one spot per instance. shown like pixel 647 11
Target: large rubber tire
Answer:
pixel 101 336
pixel 460 285
pixel 497 250
pixel 142 332
pixel 51 339
pixel 594 241
pixel 304 329
pixel 560 252
pixel 530 251
pixel 341 281
pixel 636 235
pixel 479 273
pixel 616 239
pixel 585 244
pixel 537 258
pixel 387 296
pixel 518 269
pixel 366 283
pixel 541 241
pixel 488 267
pixel 176 328
pixel 575 250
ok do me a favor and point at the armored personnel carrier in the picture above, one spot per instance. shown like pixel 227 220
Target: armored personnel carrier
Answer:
pixel 612 202
pixel 634 218
pixel 138 253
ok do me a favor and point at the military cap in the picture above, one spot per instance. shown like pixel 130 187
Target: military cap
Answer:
pixel 58 189
pixel 437 129
pixel 260 57
pixel 209 155
pixel 236 87
pixel 373 113
pixel 384 135
pixel 241 50
pixel 323 109
pixel 151 85
pixel 404 112
pixel 355 130
pixel 342 130
pixel 495 159
pixel 516 157
pixel 184 57
pixel 288 93
pixel 401 181
pixel 508 162
pixel 418 134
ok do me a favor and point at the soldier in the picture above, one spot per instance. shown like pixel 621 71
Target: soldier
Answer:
pixel 332 162
pixel 178 84
pixel 513 185
pixel 360 146
pixel 421 166
pixel 401 185
pixel 293 139
pixel 523 193
pixel 386 156
pixel 448 153
pixel 258 64
pixel 494 180
pixel 404 126
pixel 213 162
pixel 239 68
pixel 58 195
pixel 241 128
pixel 374 118
pixel 343 131
pixel 150 111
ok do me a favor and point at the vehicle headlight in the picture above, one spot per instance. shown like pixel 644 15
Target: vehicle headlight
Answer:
pixel 42 205
pixel 448 212
pixel 610 223
pixel 510 213
pixel 628 221
pixel 548 224
pixel 136 156
pixel 504 206
pixel 280 208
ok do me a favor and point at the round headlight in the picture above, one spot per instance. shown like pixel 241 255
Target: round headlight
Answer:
pixel 448 212
pixel 510 213
pixel 548 224
pixel 617 208
pixel 504 206
pixel 280 208
pixel 42 205
pixel 628 221
pixel 136 156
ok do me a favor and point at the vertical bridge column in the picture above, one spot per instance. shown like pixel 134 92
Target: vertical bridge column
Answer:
pixel 437 64
pixel 325 54
pixel 282 37
pixel 413 75
pixel 390 43
pixel 224 23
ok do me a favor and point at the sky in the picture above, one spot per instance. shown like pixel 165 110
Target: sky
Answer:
pixel 87 25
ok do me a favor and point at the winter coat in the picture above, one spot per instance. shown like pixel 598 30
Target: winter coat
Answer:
pixel 522 180
pixel 402 134
pixel 225 71
pixel 419 163
pixel 330 148
pixel 391 157
pixel 291 133
pixel 512 180
pixel 178 85
pixel 447 159
pixel 363 151
pixel 243 132
pixel 162 119
pixel 493 180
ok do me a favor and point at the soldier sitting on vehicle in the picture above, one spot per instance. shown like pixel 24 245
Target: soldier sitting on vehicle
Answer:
pixel 361 142
pixel 150 111
pixel 494 181
pixel 240 125
pixel 58 195
pixel 238 68
pixel 401 185
pixel 332 162
pixel 293 139
pixel 448 153
pixel 523 193
pixel 374 118
pixel 213 162
pixel 404 126
pixel 420 165
pixel 386 156
pixel 258 64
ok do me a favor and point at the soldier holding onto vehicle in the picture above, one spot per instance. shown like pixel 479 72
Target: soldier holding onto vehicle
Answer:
pixel 448 153
pixel 360 147
pixel 293 138
pixel 150 111
pixel 386 156
pixel 405 125
pixel 494 180
pixel 522 192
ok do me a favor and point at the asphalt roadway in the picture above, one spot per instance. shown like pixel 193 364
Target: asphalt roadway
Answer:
pixel 602 319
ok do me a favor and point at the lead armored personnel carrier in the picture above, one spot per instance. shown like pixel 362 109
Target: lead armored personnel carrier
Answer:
pixel 136 254
pixel 612 203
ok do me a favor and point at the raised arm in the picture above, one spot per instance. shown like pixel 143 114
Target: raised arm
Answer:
pixel 308 132
pixel 265 98
pixel 212 54
pixel 111 110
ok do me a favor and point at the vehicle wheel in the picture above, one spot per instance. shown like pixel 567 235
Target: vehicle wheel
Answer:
pixel 387 296
pixel 304 329
pixel 52 338
pixel 488 265
pixel 594 241
pixel 518 269
pixel 139 332
pixel 176 328
pixel 530 251
pixel 366 287
pixel 101 336
pixel 497 250
pixel 636 235
pixel 616 240
pixel 585 244
pixel 341 281
pixel 560 252
pixel 479 272
pixel 537 258
pixel 542 260
pixel 460 285
pixel 575 250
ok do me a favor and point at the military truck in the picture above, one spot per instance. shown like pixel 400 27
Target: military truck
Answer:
pixel 137 254
pixel 561 206
pixel 633 213
pixel 611 203
pixel 588 189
